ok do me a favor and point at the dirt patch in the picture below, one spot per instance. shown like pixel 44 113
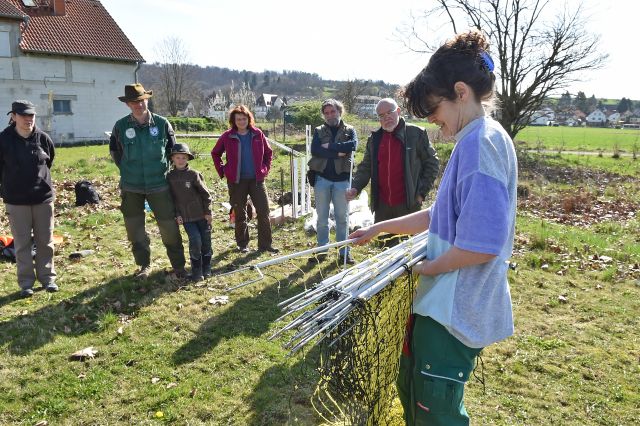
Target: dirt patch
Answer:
pixel 578 208
pixel 584 205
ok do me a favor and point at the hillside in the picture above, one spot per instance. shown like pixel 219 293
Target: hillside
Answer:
pixel 206 80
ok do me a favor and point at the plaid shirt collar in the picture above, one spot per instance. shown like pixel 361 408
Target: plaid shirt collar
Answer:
pixel 134 122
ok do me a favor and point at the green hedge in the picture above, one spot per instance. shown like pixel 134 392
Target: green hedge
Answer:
pixel 197 124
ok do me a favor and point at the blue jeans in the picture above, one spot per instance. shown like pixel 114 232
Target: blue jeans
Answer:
pixel 199 233
pixel 327 192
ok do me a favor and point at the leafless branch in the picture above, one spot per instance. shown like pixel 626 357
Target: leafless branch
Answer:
pixel 535 56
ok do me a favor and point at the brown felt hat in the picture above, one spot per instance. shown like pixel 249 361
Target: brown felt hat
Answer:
pixel 135 92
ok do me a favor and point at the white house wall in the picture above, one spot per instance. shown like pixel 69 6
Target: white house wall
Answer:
pixel 91 86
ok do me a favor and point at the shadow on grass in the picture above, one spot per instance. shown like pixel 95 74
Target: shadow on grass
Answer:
pixel 236 262
pixel 284 392
pixel 249 316
pixel 12 297
pixel 81 313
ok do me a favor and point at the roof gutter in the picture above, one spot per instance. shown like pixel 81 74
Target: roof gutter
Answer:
pixel 135 72
pixel 80 55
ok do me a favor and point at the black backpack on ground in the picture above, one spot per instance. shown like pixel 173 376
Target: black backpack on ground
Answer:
pixel 86 193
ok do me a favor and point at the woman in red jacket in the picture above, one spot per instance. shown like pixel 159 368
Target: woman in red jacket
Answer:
pixel 248 160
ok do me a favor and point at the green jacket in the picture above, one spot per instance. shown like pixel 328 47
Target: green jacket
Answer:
pixel 421 164
pixel 142 153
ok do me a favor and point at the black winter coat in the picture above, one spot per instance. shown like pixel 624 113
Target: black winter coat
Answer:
pixel 25 163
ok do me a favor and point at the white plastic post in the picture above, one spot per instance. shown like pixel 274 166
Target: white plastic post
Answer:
pixel 303 186
pixel 306 161
pixel 294 187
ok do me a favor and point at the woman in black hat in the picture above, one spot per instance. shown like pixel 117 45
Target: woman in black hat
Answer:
pixel 26 155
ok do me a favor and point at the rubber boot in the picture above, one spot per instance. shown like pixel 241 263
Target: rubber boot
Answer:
pixel 206 265
pixel 196 270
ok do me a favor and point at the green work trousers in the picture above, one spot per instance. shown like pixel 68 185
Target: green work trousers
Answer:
pixel 161 204
pixel 434 367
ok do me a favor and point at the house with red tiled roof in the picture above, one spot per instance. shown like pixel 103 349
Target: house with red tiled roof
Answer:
pixel 71 59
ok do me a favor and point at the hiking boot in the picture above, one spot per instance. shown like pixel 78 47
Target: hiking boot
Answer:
pixel 143 273
pixel 350 259
pixel 317 258
pixel 26 292
pixel 51 287
pixel 206 265
pixel 269 249
pixel 196 270
pixel 180 274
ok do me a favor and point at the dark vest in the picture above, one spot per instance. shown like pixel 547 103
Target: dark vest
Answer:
pixel 342 164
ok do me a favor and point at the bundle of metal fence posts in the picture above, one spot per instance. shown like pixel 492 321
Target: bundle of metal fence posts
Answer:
pixel 321 308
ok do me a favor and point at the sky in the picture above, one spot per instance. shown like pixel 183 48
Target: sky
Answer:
pixel 346 39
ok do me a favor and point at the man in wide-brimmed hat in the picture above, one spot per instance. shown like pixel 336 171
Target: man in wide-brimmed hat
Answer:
pixel 141 145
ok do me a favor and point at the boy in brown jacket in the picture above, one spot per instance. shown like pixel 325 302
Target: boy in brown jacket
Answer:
pixel 193 209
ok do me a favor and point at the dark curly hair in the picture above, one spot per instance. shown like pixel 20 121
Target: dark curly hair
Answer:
pixel 463 58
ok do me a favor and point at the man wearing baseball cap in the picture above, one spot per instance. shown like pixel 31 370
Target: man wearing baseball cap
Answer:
pixel 26 156
pixel 141 145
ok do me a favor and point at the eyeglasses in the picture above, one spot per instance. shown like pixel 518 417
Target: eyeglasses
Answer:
pixel 432 109
pixel 386 114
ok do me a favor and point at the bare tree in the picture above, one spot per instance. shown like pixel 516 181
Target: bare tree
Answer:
pixel 535 57
pixel 349 91
pixel 243 95
pixel 274 114
pixel 176 72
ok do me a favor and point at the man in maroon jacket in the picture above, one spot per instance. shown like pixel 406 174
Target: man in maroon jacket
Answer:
pixel 400 163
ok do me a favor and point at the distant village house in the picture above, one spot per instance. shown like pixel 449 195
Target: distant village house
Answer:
pixel 265 102
pixel 543 117
pixel 365 106
pixel 597 119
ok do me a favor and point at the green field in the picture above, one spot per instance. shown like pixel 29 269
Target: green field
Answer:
pixel 168 356
pixel 580 138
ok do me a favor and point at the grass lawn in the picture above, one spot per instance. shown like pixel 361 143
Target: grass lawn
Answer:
pixel 166 355
pixel 580 138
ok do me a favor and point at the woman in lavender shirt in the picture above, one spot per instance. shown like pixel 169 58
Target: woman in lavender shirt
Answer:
pixel 462 302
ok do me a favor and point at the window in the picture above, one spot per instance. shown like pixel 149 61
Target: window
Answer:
pixel 5 45
pixel 29 3
pixel 61 106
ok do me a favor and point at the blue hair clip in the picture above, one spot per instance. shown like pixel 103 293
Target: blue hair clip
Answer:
pixel 486 59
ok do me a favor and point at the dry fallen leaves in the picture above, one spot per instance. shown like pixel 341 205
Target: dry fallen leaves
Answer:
pixel 219 300
pixel 88 352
